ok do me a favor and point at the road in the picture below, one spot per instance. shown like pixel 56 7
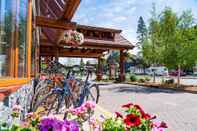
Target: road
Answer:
pixel 177 109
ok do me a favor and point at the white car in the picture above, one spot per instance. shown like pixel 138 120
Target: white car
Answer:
pixel 195 70
pixel 159 71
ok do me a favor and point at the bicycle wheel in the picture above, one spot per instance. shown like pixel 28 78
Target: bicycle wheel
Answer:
pixel 42 89
pixel 93 93
pixel 50 103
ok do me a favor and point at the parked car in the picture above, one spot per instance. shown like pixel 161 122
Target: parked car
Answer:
pixel 175 73
pixel 136 70
pixel 194 74
pixel 195 71
pixel 159 71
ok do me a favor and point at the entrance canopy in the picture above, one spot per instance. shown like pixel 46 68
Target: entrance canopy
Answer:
pixel 54 18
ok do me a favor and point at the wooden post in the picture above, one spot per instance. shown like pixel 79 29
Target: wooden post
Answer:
pixel 39 64
pixel 29 38
pixel 99 70
pixel 178 76
pixel 110 71
pixel 37 60
pixel 122 66
pixel 57 54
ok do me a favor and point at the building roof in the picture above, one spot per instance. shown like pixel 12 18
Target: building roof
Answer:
pixel 96 28
pixel 55 17
pixel 119 43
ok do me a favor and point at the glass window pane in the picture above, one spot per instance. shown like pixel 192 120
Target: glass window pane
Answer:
pixel 13 46
pixel 6 37
pixel 22 46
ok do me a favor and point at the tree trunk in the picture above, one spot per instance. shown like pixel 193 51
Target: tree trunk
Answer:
pixel 178 76
pixel 144 69
pixel 154 79
pixel 110 72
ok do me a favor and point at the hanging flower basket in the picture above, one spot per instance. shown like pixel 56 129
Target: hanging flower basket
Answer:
pixel 73 38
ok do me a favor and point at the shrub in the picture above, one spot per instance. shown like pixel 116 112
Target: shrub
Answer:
pixel 147 78
pixel 169 81
pixel 141 80
pixel 112 124
pixel 133 77
pixel 117 80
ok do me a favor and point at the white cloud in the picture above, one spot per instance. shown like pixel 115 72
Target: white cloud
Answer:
pixel 120 19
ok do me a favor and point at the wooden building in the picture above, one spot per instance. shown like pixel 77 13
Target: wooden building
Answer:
pixel 31 29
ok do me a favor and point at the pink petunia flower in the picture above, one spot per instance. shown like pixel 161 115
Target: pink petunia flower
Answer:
pixel 95 124
pixel 89 104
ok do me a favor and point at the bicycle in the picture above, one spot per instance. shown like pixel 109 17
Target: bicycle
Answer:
pixel 54 99
pixel 43 83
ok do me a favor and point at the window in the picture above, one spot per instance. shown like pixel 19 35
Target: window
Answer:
pixel 14 41
pixel 5 38
pixel 22 42
pixel 13 19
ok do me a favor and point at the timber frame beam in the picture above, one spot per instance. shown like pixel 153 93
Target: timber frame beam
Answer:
pixel 72 52
pixel 51 23
pixel 70 9
pixel 102 46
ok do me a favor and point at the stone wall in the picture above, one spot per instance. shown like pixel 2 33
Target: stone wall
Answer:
pixel 21 97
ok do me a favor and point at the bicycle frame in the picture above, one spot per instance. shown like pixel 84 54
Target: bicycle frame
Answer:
pixel 65 90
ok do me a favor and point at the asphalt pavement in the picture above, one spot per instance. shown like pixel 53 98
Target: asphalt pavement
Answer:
pixel 177 109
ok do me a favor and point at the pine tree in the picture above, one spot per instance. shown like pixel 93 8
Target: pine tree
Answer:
pixel 82 62
pixel 142 32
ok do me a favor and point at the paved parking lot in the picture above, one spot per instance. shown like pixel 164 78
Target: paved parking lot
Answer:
pixel 177 109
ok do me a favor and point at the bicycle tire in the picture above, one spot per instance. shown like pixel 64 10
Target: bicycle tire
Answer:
pixel 43 89
pixel 96 93
pixel 47 104
pixel 35 88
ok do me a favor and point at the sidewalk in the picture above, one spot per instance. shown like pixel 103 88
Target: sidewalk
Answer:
pixel 99 112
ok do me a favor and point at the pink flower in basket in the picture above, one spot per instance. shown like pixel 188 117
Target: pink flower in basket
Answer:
pixel 73 37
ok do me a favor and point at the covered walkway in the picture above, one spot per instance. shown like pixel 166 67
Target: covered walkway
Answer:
pixel 55 17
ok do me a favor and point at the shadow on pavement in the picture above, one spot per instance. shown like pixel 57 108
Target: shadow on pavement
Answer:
pixel 139 89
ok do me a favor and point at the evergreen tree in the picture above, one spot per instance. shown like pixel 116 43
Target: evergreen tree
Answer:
pixel 82 62
pixel 142 32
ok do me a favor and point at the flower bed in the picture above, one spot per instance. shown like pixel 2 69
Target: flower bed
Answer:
pixel 133 119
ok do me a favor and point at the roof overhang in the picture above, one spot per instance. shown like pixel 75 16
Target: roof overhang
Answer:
pixel 55 18
pixel 87 27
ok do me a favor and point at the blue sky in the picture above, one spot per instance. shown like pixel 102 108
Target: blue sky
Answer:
pixel 124 14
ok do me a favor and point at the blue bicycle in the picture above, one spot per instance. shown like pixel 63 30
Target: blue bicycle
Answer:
pixel 72 92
